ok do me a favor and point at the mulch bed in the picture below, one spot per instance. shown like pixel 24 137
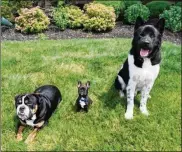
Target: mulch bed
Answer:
pixel 120 31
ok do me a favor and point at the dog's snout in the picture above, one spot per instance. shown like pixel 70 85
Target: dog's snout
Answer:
pixel 146 42
pixel 22 109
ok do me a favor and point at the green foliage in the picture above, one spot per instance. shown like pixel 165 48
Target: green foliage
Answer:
pixel 60 17
pixel 172 18
pixel 8 8
pixel 178 4
pixel 132 12
pixel 157 7
pixel 75 15
pixel 32 20
pixel 100 17
pixel 6 12
pixel 129 3
pixel 117 5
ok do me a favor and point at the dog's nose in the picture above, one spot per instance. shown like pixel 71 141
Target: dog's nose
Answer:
pixel 146 42
pixel 22 109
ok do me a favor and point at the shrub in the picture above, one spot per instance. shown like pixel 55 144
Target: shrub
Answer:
pixel 9 8
pixel 100 17
pixel 6 12
pixel 60 17
pixel 75 15
pixel 157 7
pixel 132 12
pixel 172 18
pixel 117 5
pixel 129 3
pixel 178 4
pixel 31 20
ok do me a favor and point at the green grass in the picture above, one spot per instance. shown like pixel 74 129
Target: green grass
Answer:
pixel 27 65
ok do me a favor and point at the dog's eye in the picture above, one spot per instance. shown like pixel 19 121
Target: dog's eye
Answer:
pixel 142 34
pixel 19 102
pixel 26 101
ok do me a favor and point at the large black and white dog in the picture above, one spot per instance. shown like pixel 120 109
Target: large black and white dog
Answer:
pixel 141 68
pixel 35 109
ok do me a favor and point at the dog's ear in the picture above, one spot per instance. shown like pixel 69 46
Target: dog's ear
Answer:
pixel 139 22
pixel 79 83
pixel 160 25
pixel 88 84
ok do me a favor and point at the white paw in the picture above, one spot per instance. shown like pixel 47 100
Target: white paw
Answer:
pixel 144 111
pixel 128 115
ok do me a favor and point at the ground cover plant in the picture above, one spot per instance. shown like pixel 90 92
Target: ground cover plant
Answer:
pixel 27 65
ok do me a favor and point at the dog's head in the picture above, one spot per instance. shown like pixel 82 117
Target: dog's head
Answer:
pixel 26 105
pixel 147 38
pixel 83 88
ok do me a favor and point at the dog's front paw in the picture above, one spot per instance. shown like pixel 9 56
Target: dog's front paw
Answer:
pixel 19 137
pixel 128 115
pixel 144 111
pixel 30 139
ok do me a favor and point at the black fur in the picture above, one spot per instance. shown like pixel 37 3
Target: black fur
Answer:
pixel 46 98
pixel 83 94
pixel 143 32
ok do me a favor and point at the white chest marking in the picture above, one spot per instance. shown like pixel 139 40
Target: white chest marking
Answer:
pixel 142 76
pixel 30 122
pixel 82 102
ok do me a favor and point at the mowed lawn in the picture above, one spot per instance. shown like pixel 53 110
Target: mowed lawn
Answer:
pixel 28 65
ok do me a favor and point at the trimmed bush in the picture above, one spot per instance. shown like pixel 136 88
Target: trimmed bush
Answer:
pixel 75 15
pixel 31 20
pixel 6 12
pixel 117 5
pixel 129 3
pixel 172 18
pixel 178 4
pixel 9 8
pixel 132 12
pixel 157 7
pixel 60 17
pixel 100 17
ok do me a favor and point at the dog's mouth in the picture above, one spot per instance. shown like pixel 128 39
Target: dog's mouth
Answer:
pixel 144 52
pixel 22 116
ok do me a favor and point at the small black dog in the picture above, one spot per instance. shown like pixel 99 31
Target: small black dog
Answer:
pixel 142 66
pixel 36 108
pixel 83 101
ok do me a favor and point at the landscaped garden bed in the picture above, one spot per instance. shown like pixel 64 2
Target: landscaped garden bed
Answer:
pixel 72 22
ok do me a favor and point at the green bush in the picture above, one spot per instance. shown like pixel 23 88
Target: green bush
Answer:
pixel 99 17
pixel 117 5
pixel 178 4
pixel 157 7
pixel 132 12
pixel 31 20
pixel 8 8
pixel 129 3
pixel 60 17
pixel 6 12
pixel 75 15
pixel 172 18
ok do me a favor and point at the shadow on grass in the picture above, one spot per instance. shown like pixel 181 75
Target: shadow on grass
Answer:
pixel 111 98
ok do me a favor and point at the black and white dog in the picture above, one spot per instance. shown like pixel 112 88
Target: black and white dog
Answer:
pixel 83 101
pixel 141 68
pixel 36 108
